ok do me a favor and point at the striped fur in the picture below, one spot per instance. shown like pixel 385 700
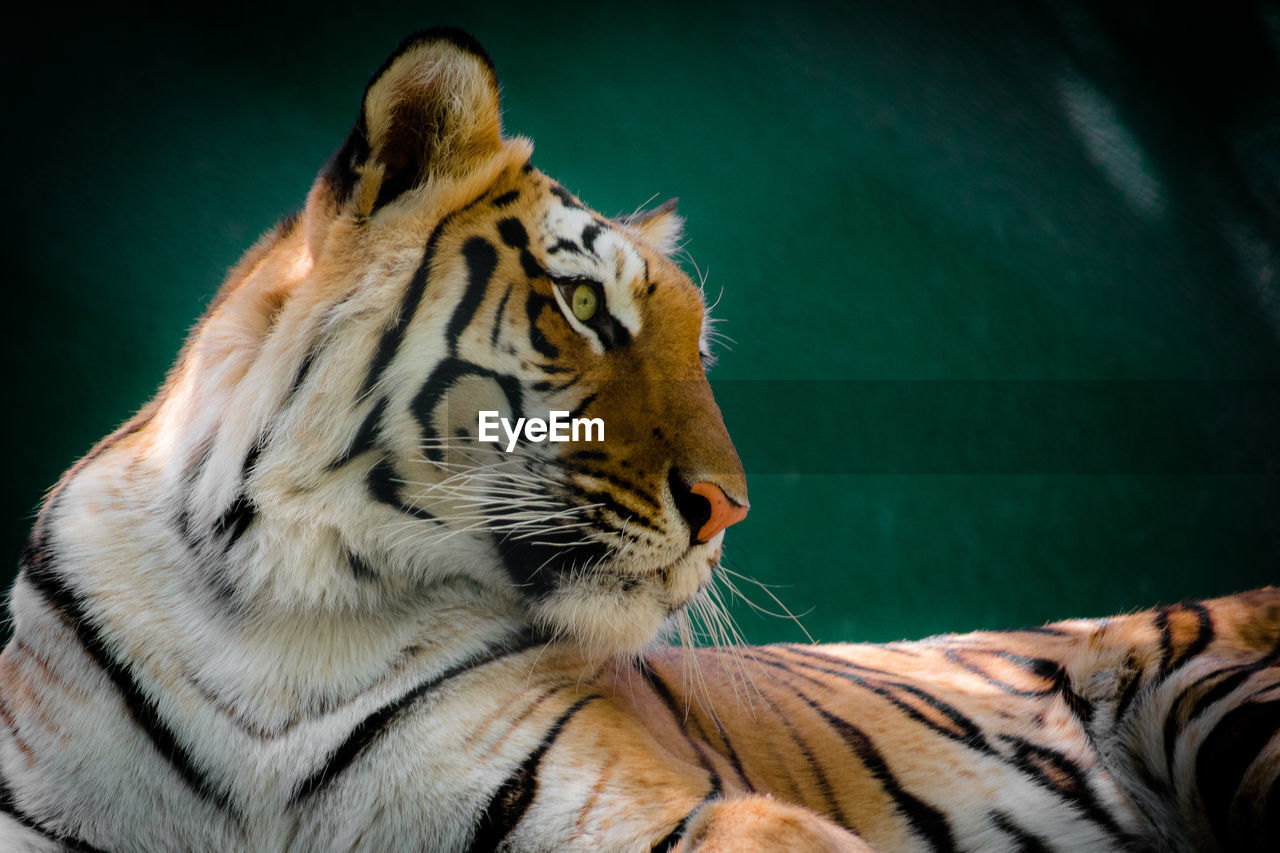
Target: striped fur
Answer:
pixel 293 604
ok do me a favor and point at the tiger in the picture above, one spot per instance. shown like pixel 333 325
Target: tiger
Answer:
pixel 300 602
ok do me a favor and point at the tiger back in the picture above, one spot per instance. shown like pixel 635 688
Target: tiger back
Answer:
pixel 302 602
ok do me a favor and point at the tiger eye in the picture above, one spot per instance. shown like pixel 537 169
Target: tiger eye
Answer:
pixel 585 302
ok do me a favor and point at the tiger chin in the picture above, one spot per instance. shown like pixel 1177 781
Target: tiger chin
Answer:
pixel 299 602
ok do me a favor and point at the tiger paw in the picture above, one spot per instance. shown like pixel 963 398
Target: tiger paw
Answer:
pixel 759 822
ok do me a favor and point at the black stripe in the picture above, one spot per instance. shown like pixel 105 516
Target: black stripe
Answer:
pixel 669 700
pixel 817 774
pixel 40 573
pixel 1228 684
pixel 1027 757
pixel 9 806
pixel 251 458
pixel 382 486
pixel 807 651
pixel 734 760
pixel 182 521
pixel 506 198
pixel 786 666
pixel 552 368
pixel 1044 668
pixel 627 486
pixel 1081 707
pixel 926 821
pixel 965 730
pixel 513 233
pixel 589 235
pixel 533 305
pixel 563 245
pixel 611 332
pixel 237 517
pixel 548 385
pixel 535 564
pixel 672 838
pixel 530 265
pixel 623 512
pixel 497 317
pixel 443 376
pixel 482 260
pixel 286 225
pixel 582 407
pixel 360 569
pixel 304 369
pixel 1228 680
pixel 389 343
pixel 1059 774
pixel 514 796
pixel 664 693
pixel 1224 758
pixel 1169 662
pixel 1059 682
pixel 235 520
pixel 675 836
pixel 1220 691
pixel 1130 689
pixel 376 724
pixel 1027 843
pixel 1039 667
pixel 191 473
pixel 1048 630
pixel 1204 635
pixel 565 198
pixel 366 436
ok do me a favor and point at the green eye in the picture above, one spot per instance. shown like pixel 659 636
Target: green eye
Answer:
pixel 584 302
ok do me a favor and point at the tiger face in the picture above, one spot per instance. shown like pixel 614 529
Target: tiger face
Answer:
pixel 436 278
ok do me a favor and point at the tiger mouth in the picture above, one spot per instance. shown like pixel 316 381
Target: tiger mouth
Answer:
pixel 536 564
pixel 541 566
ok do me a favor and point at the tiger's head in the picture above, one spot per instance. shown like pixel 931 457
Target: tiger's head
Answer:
pixel 330 408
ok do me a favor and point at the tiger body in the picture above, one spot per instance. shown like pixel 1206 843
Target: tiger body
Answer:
pixel 294 604
pixel 1149 731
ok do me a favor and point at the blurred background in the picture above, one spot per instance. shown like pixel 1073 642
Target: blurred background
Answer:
pixel 1016 265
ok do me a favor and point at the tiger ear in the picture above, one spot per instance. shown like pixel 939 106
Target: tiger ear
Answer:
pixel 660 227
pixel 430 111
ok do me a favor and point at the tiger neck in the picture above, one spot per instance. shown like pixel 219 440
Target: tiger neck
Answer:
pixel 221 625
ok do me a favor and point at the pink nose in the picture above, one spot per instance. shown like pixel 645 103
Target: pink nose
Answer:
pixel 724 512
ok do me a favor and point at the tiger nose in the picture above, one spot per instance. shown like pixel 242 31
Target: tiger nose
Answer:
pixel 724 512
pixel 705 507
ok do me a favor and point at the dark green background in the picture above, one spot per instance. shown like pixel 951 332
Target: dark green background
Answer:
pixel 882 194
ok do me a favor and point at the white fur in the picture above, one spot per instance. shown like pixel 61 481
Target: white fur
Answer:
pixel 615 263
